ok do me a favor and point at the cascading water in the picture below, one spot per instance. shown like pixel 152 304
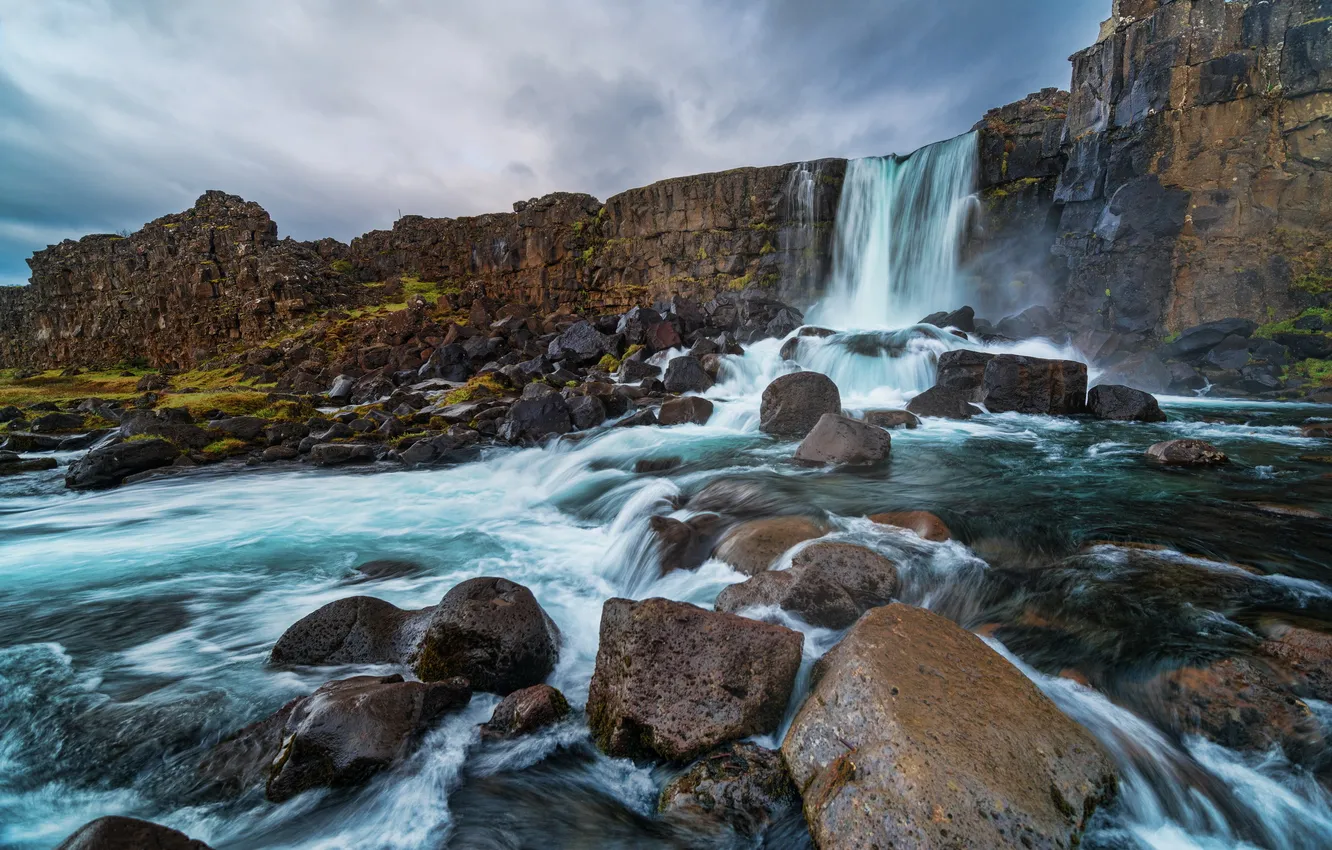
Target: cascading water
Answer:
pixel 798 239
pixel 900 224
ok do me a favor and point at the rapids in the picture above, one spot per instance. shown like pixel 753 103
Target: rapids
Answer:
pixel 138 621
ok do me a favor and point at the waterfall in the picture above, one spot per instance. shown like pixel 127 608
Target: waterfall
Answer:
pixel 900 224
pixel 798 239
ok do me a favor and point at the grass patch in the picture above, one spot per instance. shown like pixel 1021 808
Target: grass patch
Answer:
pixel 225 448
pixel 481 386
pixel 229 402
pixel 50 386
pixel 1318 371
pixel 1287 326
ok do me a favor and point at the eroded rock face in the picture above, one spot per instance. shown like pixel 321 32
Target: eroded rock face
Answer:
pixel 740 784
pixel 110 465
pixel 1014 382
pixel 673 680
pixel 792 404
pixel 340 735
pixel 355 630
pixel 119 833
pixel 844 441
pixel 1186 453
pixel 491 632
pixel 751 547
pixel 1109 401
pixel 889 749
pixel 828 585
pixel 525 711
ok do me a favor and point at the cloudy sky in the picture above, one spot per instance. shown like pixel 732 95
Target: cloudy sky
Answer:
pixel 336 114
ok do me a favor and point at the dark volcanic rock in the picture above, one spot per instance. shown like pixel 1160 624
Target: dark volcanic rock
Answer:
pixel 897 698
pixel 54 422
pixel 845 441
pixel 686 375
pixel 673 681
pixel 525 711
pixel 109 465
pixel 828 585
pixel 1014 382
pixel 491 632
pixel 337 454
pixel 739 784
pixel 963 318
pixel 579 345
pixel 1187 453
pixel 340 735
pixel 356 630
pixel 533 419
pixel 684 545
pixel 586 411
pixel 119 833
pixel 892 419
pixel 449 363
pixel 963 370
pixel 792 404
pixel 751 547
pixel 12 464
pixel 1123 403
pixel 694 410
pixel 944 403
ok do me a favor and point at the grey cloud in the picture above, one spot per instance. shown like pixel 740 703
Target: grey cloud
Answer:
pixel 336 114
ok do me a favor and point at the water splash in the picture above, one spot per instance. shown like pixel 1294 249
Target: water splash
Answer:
pixel 900 224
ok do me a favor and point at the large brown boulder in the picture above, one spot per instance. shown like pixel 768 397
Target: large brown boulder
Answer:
pixel 340 735
pixel 844 441
pixel 792 404
pixel 828 585
pixel 119 833
pixel 926 525
pixel 526 711
pixel 692 409
pixel 673 680
pixel 917 734
pixel 491 632
pixel 739 784
pixel 751 547
pixel 1014 382
pixel 892 419
pixel 355 630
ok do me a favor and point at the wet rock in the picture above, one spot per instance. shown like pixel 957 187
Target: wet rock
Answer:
pixel 10 413
pixel 491 632
pixel 740 784
pixel 355 630
pixel 120 833
pixel 580 345
pixel 54 422
pixel 1186 453
pixel 792 404
pixel 273 454
pixel 694 410
pixel 1183 378
pixel 534 419
pixel 429 450
pixel 686 375
pixel 283 432
pixel 651 466
pixel 586 411
pixel 635 323
pixel 672 680
pixel 636 370
pixel 751 547
pixel 963 370
pixel 14 464
pixel 1193 344
pixel 525 711
pixel 110 465
pixel 827 585
pixel 338 454
pixel 20 441
pixel 1316 430
pixel 897 699
pixel 448 363
pixel 1305 657
pixel 661 337
pixel 639 419
pixel 386 568
pixel 963 318
pixel 341 390
pixel 926 525
pixel 1014 382
pixel 844 441
pixel 684 545
pixel 943 403
pixel 892 419
pixel 339 736
pixel 1110 401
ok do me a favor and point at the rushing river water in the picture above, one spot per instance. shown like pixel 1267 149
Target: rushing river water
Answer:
pixel 137 622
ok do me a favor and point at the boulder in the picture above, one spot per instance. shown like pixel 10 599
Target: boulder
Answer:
pixel 739 784
pixel 891 749
pixel 1014 382
pixel 110 465
pixel 119 833
pixel 53 422
pixel 13 464
pixel 792 404
pixel 341 735
pixel 673 681
pixel 1316 430
pixel 693 410
pixel 341 390
pixel 534 419
pixel 963 318
pixel 892 419
pixel 684 545
pixel 661 337
pixel 963 370
pixel 151 383
pixel 429 450
pixel 1110 401
pixel 355 630
pixel 169 425
pixel 586 411
pixel 447 363
pixel 638 419
pixel 337 454
pixel 1193 344
pixel 751 547
pixel 827 585
pixel 686 375
pixel 841 440
pixel 525 711
pixel 491 632
pixel 1186 453
pixel 943 403
pixel 632 369
pixel 926 525
pixel 247 428
pixel 580 345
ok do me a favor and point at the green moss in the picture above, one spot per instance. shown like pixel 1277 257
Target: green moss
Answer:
pixel 589 254
pixel 702 253
pixel 341 266
pixel 225 447
pixel 609 363
pixel 1318 371
pixel 1313 283
pixel 481 386
pixel 739 283
pixel 230 402
pixel 766 249
pixel 1271 329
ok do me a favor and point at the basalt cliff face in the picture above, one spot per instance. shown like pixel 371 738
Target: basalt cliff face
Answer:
pixel 1186 178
